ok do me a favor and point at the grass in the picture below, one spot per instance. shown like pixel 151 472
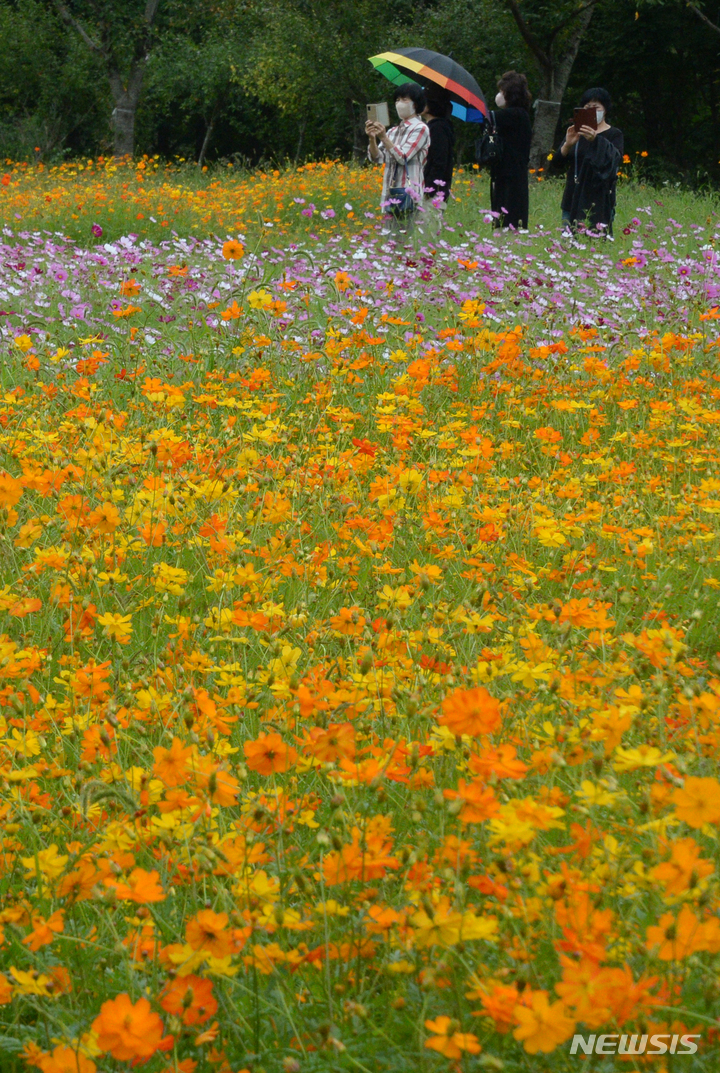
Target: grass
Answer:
pixel 153 200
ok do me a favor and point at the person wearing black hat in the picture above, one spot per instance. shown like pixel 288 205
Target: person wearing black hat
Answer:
pixel 592 156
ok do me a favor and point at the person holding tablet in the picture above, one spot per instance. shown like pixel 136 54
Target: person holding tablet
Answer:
pixel 592 153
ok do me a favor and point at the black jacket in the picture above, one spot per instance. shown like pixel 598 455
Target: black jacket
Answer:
pixel 590 188
pixel 509 194
pixel 439 165
pixel 515 130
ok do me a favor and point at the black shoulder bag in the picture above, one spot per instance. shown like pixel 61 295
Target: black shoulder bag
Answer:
pixel 489 146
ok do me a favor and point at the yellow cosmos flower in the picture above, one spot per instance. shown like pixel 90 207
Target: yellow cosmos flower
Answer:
pixel 118 627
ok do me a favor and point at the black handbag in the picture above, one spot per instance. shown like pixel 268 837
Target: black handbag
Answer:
pixel 489 147
pixel 400 202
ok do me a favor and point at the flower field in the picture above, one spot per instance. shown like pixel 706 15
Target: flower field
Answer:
pixel 148 197
pixel 359 645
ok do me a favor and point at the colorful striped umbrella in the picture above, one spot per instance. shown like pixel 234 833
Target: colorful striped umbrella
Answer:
pixel 423 66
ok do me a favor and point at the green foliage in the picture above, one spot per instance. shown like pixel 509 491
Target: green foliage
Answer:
pixel 50 96
pixel 310 61
pixel 288 79
pixel 195 75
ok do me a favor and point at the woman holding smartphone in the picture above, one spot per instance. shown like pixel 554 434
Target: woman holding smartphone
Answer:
pixel 403 150
pixel 592 156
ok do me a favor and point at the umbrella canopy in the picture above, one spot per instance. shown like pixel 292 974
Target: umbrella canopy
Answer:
pixel 422 65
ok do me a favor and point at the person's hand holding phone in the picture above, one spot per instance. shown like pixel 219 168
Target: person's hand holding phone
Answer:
pixel 571 137
pixel 588 133
pixel 374 132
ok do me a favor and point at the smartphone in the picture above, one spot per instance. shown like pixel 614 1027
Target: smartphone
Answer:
pixel 584 117
pixel 378 113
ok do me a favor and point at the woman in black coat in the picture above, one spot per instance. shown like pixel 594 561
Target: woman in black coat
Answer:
pixel 592 157
pixel 509 194
pixel 439 164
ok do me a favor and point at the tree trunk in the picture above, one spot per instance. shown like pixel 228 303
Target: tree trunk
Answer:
pixel 126 97
pixel 126 101
pixel 557 75
pixel 301 135
pixel 209 132
pixel 359 149
pixel 547 115
pixel 206 142
pixel 123 123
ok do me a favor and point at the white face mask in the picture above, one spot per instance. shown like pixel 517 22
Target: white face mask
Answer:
pixel 500 99
pixel 405 109
pixel 599 114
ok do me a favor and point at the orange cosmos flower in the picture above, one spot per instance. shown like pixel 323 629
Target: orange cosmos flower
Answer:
pixel 542 1026
pixel 348 621
pixel 627 996
pixel 64 1059
pixel 470 711
pixel 44 931
pixel 153 535
pixel 501 762
pixel 25 607
pixel 10 490
pixel 678 939
pixel 77 886
pixel 499 1004
pixel 478 801
pixel 208 931
pixel 448 1041
pixel 684 868
pixel 584 987
pixel 72 508
pixel 488 534
pixel 328 745
pixel 104 519
pixel 189 997
pixel 268 754
pixel 221 786
pixel 89 681
pixel 142 887
pixel 233 250
pixel 172 765
pixel 698 802
pixel 128 1031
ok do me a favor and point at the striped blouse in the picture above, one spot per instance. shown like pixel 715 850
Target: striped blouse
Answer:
pixel 405 162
